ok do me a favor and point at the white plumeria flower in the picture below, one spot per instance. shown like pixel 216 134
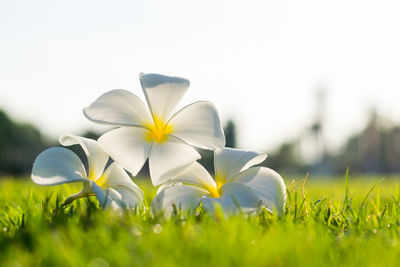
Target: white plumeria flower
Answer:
pixel 112 187
pixel 237 186
pixel 153 132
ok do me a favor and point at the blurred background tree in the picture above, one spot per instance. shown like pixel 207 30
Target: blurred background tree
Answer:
pixel 375 149
pixel 19 145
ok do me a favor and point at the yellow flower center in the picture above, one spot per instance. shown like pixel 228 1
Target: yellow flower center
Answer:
pixel 101 181
pixel 220 180
pixel 216 192
pixel 157 132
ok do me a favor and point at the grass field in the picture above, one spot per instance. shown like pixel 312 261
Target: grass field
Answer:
pixel 326 223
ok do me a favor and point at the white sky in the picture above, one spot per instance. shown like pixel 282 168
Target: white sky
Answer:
pixel 258 61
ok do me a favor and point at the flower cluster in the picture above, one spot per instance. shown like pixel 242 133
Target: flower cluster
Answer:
pixel 168 140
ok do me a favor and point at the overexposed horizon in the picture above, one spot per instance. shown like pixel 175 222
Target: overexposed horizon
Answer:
pixel 259 62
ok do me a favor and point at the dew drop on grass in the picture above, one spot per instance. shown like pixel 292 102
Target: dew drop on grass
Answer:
pixel 157 228
pixel 136 231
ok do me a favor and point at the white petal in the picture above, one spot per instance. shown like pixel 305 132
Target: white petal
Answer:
pixel 185 198
pixel 267 184
pixel 107 198
pixel 116 178
pixel 115 175
pixel 129 198
pixel 169 158
pixel 127 146
pixel 163 93
pixel 197 175
pixel 57 165
pixel 167 184
pixel 118 107
pixel 228 161
pixel 235 197
pixel 199 124
pixel 96 156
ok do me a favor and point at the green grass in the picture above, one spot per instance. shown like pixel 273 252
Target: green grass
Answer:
pixel 326 223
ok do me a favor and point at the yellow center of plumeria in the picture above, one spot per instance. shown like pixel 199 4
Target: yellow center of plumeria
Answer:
pixel 216 192
pixel 100 182
pixel 157 132
pixel 220 180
